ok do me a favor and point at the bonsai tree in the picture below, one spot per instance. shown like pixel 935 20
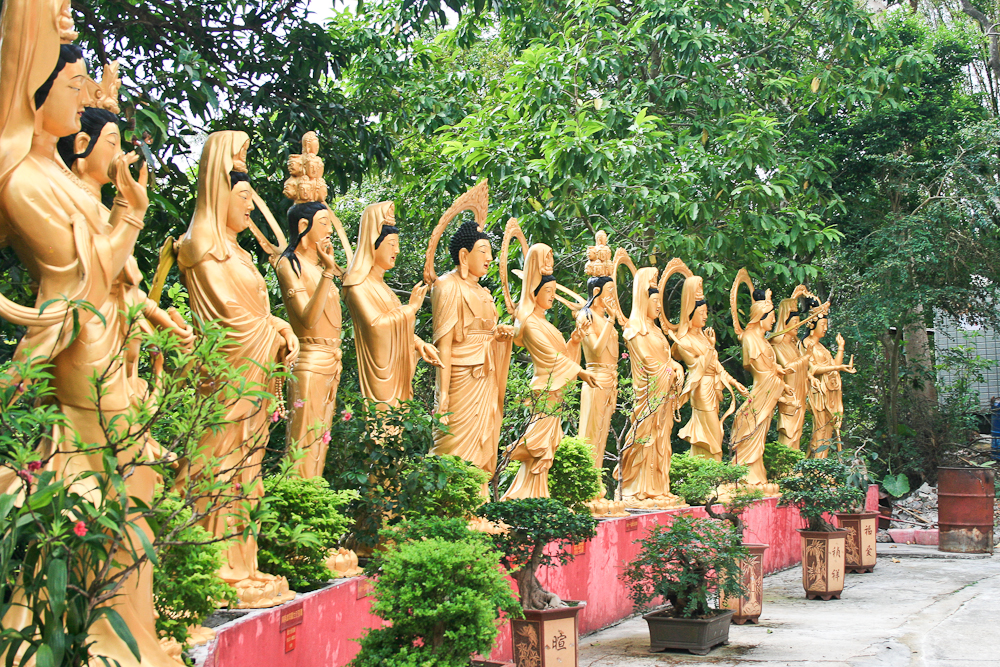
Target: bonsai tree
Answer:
pixel 779 459
pixel 817 487
pixel 711 480
pixel 687 563
pixel 573 478
pixel 533 523
pixel 441 593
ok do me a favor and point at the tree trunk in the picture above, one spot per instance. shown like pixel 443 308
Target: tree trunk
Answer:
pixel 533 594
pixel 989 27
pixel 919 359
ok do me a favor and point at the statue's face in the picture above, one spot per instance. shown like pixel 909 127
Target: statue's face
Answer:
pixel 479 258
pixel 240 205
pixel 546 295
pixel 821 327
pixel 107 146
pixel 386 253
pixel 306 191
pixel 61 111
pixel 653 306
pixel 321 227
pixel 548 263
pixel 768 321
pixel 792 334
pixel 700 316
pixel 295 165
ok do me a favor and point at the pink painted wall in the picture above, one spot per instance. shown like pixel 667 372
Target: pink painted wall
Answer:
pixel 333 617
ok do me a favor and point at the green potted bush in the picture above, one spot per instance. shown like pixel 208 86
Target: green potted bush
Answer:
pixel 438 586
pixel 713 482
pixel 573 478
pixel 687 564
pixel 818 487
pixel 532 524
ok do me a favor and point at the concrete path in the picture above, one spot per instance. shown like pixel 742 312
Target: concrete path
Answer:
pixel 914 610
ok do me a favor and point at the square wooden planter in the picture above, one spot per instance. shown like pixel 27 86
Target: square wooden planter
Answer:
pixel 823 563
pixel 697 635
pixel 548 637
pixel 748 607
pixel 861 550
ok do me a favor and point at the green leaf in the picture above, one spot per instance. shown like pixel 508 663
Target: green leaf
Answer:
pixel 896 485
pixel 120 627
pixel 56 583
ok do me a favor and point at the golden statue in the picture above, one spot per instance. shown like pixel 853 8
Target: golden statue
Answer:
pixel 305 173
pixel 706 378
pixel 224 285
pixel 74 249
pixel 600 348
pixel 753 419
pixel 791 413
pixel 644 465
pixel 826 397
pixel 555 366
pixel 306 269
pixel 475 348
pixel 383 327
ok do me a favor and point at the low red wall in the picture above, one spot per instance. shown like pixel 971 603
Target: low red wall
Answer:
pixel 332 618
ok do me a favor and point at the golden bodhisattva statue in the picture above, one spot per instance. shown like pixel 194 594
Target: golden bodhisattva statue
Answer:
pixel 384 337
pixel 74 249
pixel 600 349
pixel 826 397
pixel 644 467
pixel 224 285
pixel 475 348
pixel 555 365
pixel 694 344
pixel 791 412
pixel 753 419
pixel 305 271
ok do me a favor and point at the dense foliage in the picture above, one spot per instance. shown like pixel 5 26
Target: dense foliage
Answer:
pixel 713 480
pixel 817 487
pixel 306 522
pixel 573 479
pixel 687 563
pixel 441 486
pixel 779 459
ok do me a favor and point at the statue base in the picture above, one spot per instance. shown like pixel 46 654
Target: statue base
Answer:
pixel 665 502
pixel 343 563
pixel 262 591
pixel 197 635
pixel 602 508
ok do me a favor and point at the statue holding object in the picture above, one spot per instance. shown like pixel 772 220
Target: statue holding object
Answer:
pixel 826 395
pixel 475 348
pixel 224 285
pixel 694 344
pixel 791 412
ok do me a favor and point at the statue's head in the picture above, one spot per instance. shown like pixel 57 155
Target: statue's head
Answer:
pixel 90 151
pixel 295 165
pixel 470 250
pixel 545 293
pixel 59 102
pixel 387 245
pixel 309 220
pixel 240 202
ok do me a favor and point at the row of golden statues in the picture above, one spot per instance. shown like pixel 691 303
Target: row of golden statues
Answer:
pixel 61 144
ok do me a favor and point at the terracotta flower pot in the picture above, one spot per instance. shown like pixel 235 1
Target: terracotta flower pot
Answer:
pixel 697 635
pixel 823 563
pixel 860 547
pixel 547 637
pixel 748 607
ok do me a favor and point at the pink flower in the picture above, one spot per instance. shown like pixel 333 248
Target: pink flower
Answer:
pixel 624 355
pixel 275 416
pixel 298 403
pixel 26 476
pixel 326 438
pixel 345 415
pixel 34 466
pixel 80 529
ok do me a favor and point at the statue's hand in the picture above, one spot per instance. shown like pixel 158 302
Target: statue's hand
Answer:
pixel 710 335
pixel 417 295
pixel 504 332
pixel 442 408
pixel 430 354
pixel 840 342
pixel 743 391
pixel 291 347
pixel 589 378
pixel 325 252
pixel 133 191
pixel 181 330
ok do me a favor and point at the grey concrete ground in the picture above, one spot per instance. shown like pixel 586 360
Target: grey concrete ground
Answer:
pixel 915 610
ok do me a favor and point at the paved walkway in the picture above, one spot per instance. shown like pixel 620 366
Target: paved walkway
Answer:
pixel 917 609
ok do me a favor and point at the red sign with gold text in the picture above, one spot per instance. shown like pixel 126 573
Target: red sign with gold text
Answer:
pixel 631 524
pixel 291 616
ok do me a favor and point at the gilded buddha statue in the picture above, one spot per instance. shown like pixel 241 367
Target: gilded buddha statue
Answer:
pixel 826 394
pixel 791 409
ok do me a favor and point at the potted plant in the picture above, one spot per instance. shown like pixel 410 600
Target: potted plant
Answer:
pixel 817 487
pixel 686 564
pixel 548 634
pixel 860 551
pixel 712 482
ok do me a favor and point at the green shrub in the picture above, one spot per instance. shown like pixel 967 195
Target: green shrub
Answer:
pixel 818 486
pixel 705 482
pixel 305 524
pixel 682 466
pixel 186 584
pixel 573 479
pixel 443 486
pixel 779 459
pixel 535 523
pixel 687 563
pixel 441 599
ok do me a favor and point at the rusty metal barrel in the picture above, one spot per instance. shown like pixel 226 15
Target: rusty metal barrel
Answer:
pixel 965 510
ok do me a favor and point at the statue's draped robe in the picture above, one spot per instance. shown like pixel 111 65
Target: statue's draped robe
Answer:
pixel 704 388
pixel 753 419
pixel 553 371
pixel 597 404
pixel 792 417
pixel 826 401
pixel 479 365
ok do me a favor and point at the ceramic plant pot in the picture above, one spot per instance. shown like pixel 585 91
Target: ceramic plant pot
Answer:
pixel 823 563
pixel 860 547
pixel 748 607
pixel 697 635
pixel 547 637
